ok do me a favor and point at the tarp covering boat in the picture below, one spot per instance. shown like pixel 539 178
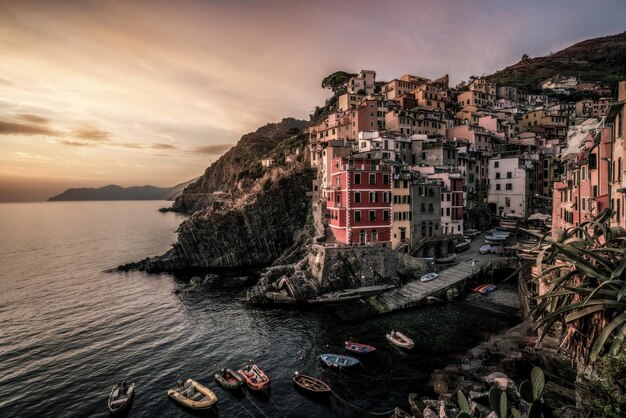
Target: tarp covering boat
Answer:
pixel 121 397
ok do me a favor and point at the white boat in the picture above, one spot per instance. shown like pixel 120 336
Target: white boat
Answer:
pixel 121 397
pixel 485 249
pixel 463 246
pixel 428 277
pixel 399 339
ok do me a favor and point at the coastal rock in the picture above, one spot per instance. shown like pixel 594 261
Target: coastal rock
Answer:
pixel 429 413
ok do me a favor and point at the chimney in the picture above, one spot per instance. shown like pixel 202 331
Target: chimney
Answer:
pixel 621 91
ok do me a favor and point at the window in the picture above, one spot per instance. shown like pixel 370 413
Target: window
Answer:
pixel 385 215
pixel 509 175
pixel 509 186
pixel 448 196
pixel 372 178
pixel 386 196
pixel 373 197
pixel 496 164
pixel 497 187
pixel 357 197
pixel 357 216
pixel 374 235
pixel 497 176
pixel 507 202
pixel 372 215
pixel 447 211
pixel 423 207
pixel 430 207
pixel 385 178
pixel 357 178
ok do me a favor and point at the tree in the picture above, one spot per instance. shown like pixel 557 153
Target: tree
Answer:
pixel 525 57
pixel 336 81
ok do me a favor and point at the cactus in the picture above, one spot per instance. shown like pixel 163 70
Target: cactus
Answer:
pixel 498 402
pixel 538 381
pixel 526 391
pixel 516 413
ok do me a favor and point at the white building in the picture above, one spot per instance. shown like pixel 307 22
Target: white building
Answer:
pixel 363 81
pixel 509 186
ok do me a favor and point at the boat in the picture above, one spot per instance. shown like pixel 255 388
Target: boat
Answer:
pixel 487 289
pixel 445 260
pixel 121 397
pixel 479 287
pixel 490 239
pixel 255 378
pixel 463 246
pixel 472 232
pixel 428 277
pixel 497 249
pixel 399 339
pixel 193 395
pixel 485 249
pixel 311 384
pixel 228 379
pixel 359 348
pixel 337 360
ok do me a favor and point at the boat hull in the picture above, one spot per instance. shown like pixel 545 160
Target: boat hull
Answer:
pixel 228 379
pixel 311 385
pixel 255 378
pixel 358 348
pixel 338 361
pixel 400 340
pixel 116 407
pixel 176 395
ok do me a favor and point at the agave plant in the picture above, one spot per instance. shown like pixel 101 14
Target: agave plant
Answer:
pixel 584 272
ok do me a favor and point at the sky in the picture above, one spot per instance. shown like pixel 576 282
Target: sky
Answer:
pixel 151 92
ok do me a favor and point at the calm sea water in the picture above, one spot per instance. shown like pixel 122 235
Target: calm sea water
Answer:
pixel 69 331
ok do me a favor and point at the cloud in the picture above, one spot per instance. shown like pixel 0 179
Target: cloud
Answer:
pixel 5 82
pixel 162 146
pixel 128 145
pixel 30 118
pixel 89 133
pixel 211 149
pixel 15 128
pixel 76 143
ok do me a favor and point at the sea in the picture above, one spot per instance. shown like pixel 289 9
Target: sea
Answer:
pixel 69 330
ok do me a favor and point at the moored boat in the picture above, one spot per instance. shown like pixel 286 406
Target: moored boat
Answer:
pixel 121 397
pixel 193 395
pixel 311 384
pixel 497 249
pixel 254 377
pixel 399 339
pixel 487 289
pixel 359 348
pixel 463 246
pixel 445 260
pixel 479 287
pixel 428 277
pixel 228 379
pixel 485 249
pixel 337 360
pixel 494 239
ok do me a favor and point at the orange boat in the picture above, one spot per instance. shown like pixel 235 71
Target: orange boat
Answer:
pixel 255 378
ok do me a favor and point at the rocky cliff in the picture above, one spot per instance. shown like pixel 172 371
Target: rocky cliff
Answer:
pixel 239 166
pixel 254 234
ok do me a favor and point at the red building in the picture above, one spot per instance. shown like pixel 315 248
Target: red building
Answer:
pixel 359 200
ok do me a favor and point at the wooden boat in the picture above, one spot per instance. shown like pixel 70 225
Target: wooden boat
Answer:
pixel 359 348
pixel 401 340
pixel 445 260
pixel 193 395
pixel 311 384
pixel 463 246
pixel 254 377
pixel 428 277
pixel 485 249
pixel 121 397
pixel 228 379
pixel 337 360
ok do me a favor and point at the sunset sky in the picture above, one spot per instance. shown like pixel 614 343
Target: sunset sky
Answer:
pixel 134 93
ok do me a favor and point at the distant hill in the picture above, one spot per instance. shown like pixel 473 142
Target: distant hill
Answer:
pixel 599 59
pixel 114 192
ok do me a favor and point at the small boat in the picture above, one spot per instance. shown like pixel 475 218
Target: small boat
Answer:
pixel 485 249
pixel 497 249
pixel 193 395
pixel 255 378
pixel 480 287
pixel 401 340
pixel 490 239
pixel 229 379
pixel 311 384
pixel 446 260
pixel 359 348
pixel 428 277
pixel 487 289
pixel 472 232
pixel 463 246
pixel 121 397
pixel 337 360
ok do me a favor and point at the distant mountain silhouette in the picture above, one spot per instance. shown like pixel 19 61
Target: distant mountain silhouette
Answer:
pixel 114 192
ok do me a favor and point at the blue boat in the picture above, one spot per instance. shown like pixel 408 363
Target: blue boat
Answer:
pixel 336 360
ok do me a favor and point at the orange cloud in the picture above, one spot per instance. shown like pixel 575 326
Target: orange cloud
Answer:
pixel 15 128
pixel 88 133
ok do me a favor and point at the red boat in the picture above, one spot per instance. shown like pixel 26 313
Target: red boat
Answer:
pixel 254 377
pixel 359 348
